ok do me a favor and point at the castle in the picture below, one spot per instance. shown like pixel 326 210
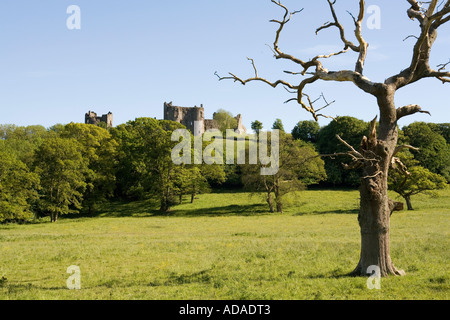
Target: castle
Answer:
pixel 188 117
pixel 92 118
pixel 185 116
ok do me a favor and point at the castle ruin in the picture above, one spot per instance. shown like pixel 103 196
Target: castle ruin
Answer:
pixel 92 118
pixel 188 117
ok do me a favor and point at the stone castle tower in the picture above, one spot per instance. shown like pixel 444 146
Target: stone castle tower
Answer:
pixel 92 118
pixel 188 117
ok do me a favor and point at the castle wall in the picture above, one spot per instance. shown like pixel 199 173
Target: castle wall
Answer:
pixel 188 117
pixel 92 118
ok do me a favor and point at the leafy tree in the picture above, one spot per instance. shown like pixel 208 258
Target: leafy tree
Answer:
pixel 434 151
pixel 411 179
pixel 278 125
pixel 257 126
pixel 299 166
pixel 145 168
pixel 18 188
pixel 225 120
pixel 306 131
pixel 61 168
pixel 99 149
pixel 23 141
pixel 351 130
pixel 442 128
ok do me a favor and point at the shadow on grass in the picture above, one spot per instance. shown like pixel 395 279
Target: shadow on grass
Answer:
pixel 230 210
pixel 18 287
pixel 146 209
pixel 335 274
pixel 318 212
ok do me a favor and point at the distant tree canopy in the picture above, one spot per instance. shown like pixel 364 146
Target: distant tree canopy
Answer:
pixel 299 166
pixel 77 167
pixel 413 179
pixel 18 188
pixel 306 131
pixel 434 150
pixel 225 120
pixel 62 169
pixel 99 149
pixel 351 130
pixel 257 126
pixel 278 125
pixel 145 166
pixel 146 170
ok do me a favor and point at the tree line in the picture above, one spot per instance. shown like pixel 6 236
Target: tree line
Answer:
pixel 423 168
pixel 49 172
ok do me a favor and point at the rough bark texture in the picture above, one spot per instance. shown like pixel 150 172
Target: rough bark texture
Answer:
pixel 375 206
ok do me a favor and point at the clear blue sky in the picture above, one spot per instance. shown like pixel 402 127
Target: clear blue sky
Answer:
pixel 131 56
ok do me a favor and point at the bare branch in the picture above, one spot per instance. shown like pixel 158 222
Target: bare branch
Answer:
pixel 320 73
pixel 337 24
pixel 430 18
pixel 411 36
pixel 403 147
pixel 363 46
pixel 410 110
pixel 443 66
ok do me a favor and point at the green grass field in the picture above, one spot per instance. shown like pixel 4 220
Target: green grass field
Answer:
pixel 226 246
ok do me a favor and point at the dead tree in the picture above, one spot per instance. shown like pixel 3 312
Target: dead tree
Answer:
pixel 377 152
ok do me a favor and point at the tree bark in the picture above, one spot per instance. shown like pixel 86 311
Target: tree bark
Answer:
pixel 278 197
pixel 375 205
pixel 270 201
pixel 279 207
pixel 53 217
pixel 408 203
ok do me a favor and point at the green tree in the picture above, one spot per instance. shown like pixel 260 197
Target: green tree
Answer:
pixel 442 128
pixel 278 125
pixel 225 120
pixel 257 126
pixel 408 182
pixel 23 141
pixel 299 166
pixel 145 168
pixel 306 131
pixel 18 188
pixel 434 151
pixel 99 149
pixel 351 130
pixel 61 168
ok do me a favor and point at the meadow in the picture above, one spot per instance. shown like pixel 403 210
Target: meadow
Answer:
pixel 226 246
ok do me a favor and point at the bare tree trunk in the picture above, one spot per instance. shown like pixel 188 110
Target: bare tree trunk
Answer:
pixel 408 203
pixel 278 197
pixel 279 207
pixel 270 201
pixel 53 217
pixel 375 205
